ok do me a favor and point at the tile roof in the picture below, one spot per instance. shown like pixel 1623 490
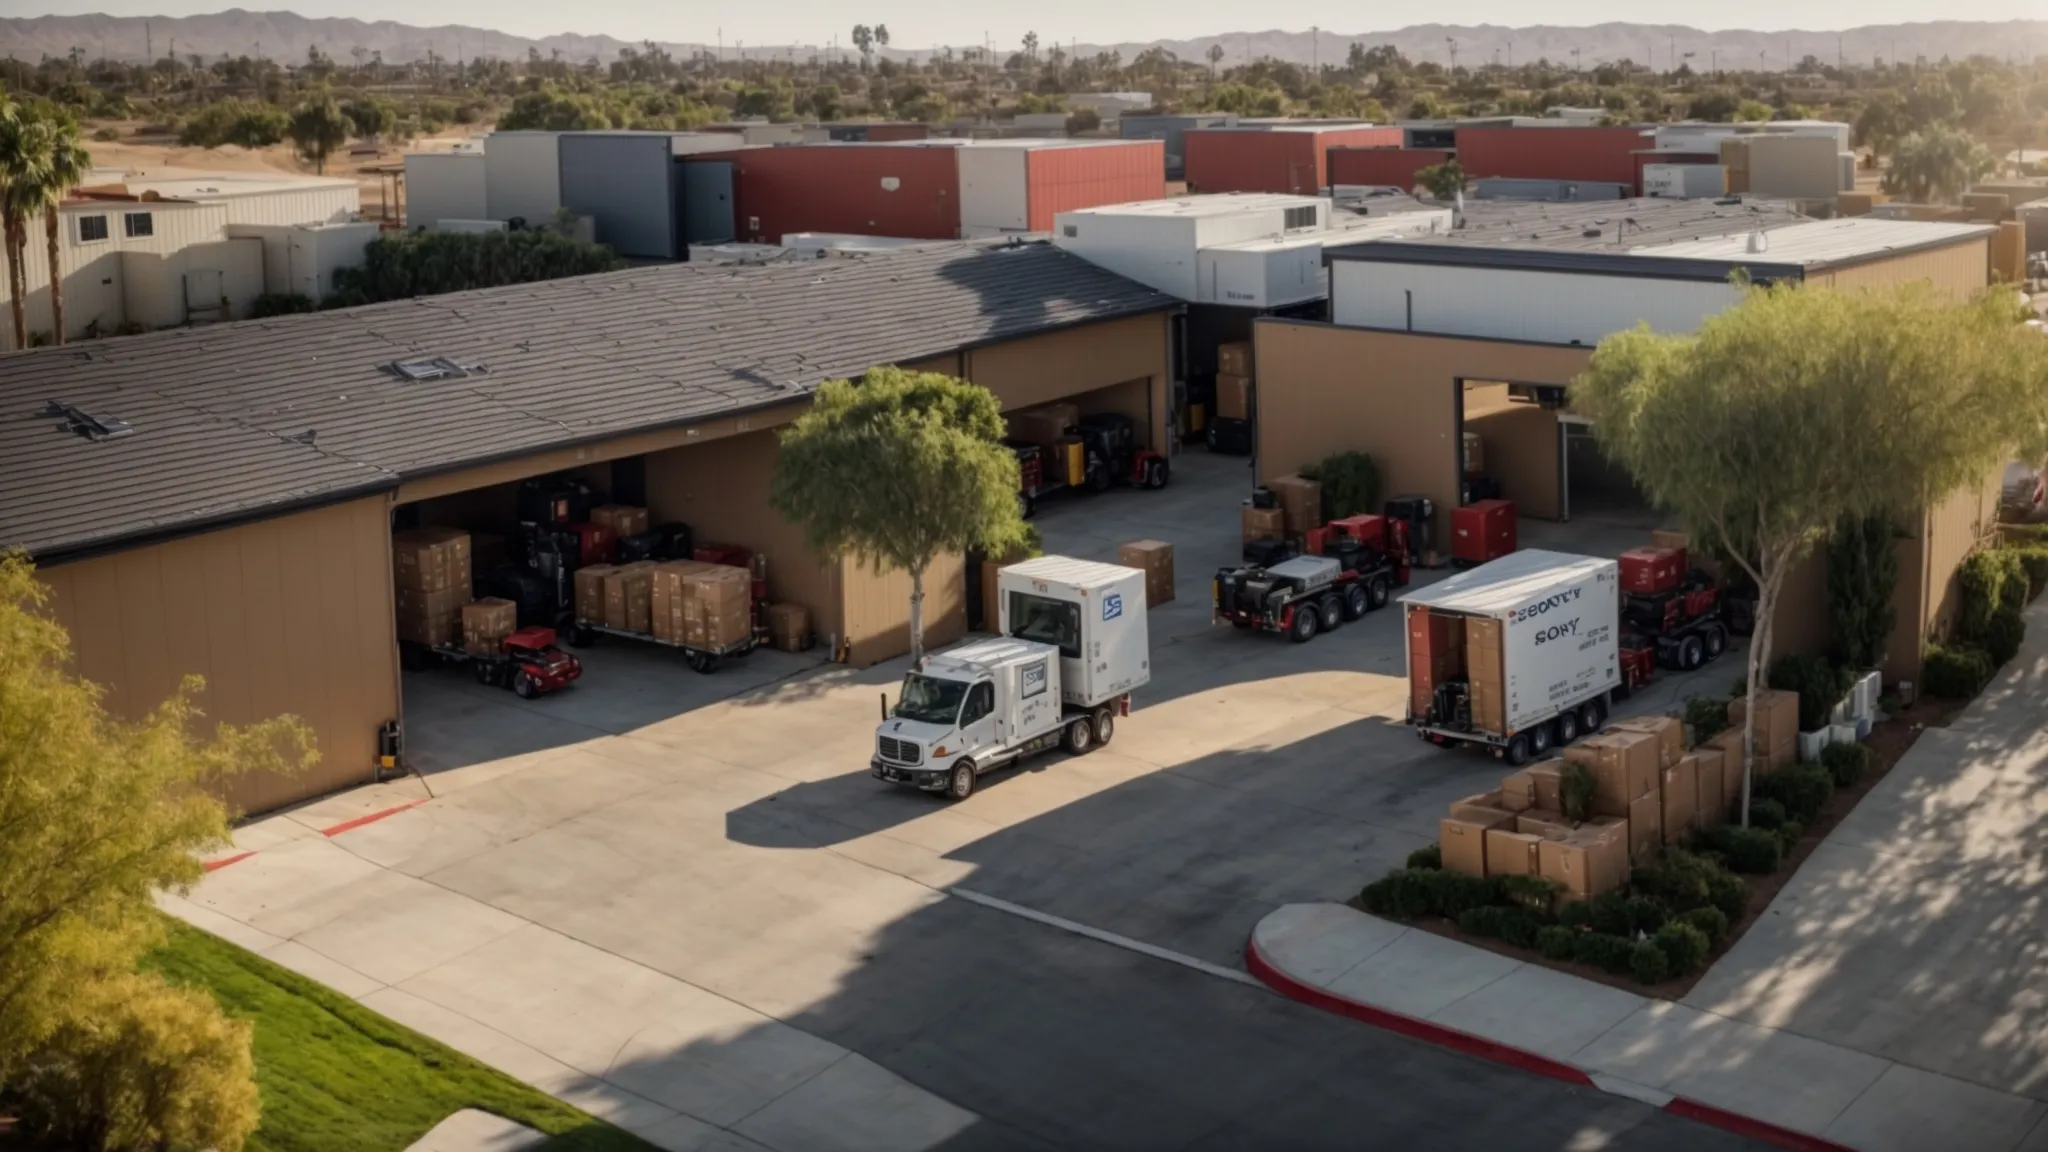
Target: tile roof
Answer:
pixel 216 409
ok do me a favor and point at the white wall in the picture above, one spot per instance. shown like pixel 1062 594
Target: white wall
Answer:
pixel 317 252
pixel 322 205
pixel 1157 251
pixel 523 178
pixel 161 289
pixel 994 195
pixel 1550 307
pixel 93 274
pixel 442 185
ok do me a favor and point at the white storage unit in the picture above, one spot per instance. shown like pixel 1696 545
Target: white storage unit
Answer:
pixel 1684 181
pixel 1515 304
pixel 1155 242
pixel 302 258
pixel 523 177
pixel 444 185
pixel 995 189
pixel 1093 612
pixel 1263 273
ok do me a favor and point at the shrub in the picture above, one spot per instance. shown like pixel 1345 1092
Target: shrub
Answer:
pixel 106 135
pixel 1557 942
pixel 1955 672
pixel 2003 636
pixel 1609 953
pixel 1647 961
pixel 1682 880
pixel 430 263
pixel 1863 572
pixel 1820 686
pixel 1684 946
pixel 2033 559
pixel 1626 916
pixel 1607 914
pixel 1753 851
pixel 1351 484
pixel 1519 926
pixel 1768 815
pixel 1730 896
pixel 279 304
pixel 1576 914
pixel 1803 790
pixel 1429 857
pixel 1404 894
pixel 1845 763
pixel 1709 922
pixel 1989 578
pixel 1708 716
pixel 1532 892
pixel 1485 921
pixel 1788 835
pixel 1575 790
pixel 1452 893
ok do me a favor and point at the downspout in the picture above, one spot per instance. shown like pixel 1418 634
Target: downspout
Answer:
pixel 1410 294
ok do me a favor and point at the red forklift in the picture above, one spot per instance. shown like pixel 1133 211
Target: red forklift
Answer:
pixel 1109 455
pixel 527 661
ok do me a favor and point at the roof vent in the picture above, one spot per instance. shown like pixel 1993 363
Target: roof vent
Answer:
pixel 432 368
pixel 1758 243
pixel 79 422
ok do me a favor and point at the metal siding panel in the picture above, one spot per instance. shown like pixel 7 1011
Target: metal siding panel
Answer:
pixel 1068 179
pixel 994 189
pixel 444 186
pixel 708 205
pixel 1589 154
pixel 1393 167
pixel 1548 307
pixel 1365 137
pixel 524 175
pixel 625 184
pixel 838 188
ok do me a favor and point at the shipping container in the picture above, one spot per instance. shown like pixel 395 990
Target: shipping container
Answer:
pixel 444 186
pixel 1650 156
pixel 1172 131
pixel 909 189
pixel 1262 273
pixel 1684 181
pixel 1021 185
pixel 1290 159
pixel 1157 242
pixel 522 176
pixel 1601 155
pixel 630 185
pixel 1383 167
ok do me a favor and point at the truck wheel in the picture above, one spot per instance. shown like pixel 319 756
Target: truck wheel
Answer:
pixel 1155 474
pixel 1378 590
pixel 1026 506
pixel 1518 751
pixel 525 685
pixel 1332 611
pixel 1539 740
pixel 1715 639
pixel 700 662
pixel 960 784
pixel 1306 622
pixel 1592 714
pixel 1105 726
pixel 1356 602
pixel 1080 736
pixel 1691 653
pixel 579 635
pixel 483 672
pixel 1567 728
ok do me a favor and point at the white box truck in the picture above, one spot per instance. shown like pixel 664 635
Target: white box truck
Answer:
pixel 1074 647
pixel 1518 655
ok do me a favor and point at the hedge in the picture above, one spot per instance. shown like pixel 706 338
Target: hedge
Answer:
pixel 1955 673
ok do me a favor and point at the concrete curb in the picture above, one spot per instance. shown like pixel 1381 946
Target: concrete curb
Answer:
pixel 1432 1033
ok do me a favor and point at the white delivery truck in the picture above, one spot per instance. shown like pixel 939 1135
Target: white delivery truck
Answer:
pixel 1073 648
pixel 1519 654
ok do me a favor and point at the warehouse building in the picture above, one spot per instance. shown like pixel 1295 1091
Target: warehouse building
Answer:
pixel 221 501
pixel 1290 158
pixel 1482 331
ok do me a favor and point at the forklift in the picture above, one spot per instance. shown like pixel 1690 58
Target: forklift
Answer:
pixel 1108 455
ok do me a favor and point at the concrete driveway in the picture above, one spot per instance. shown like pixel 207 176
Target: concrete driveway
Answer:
pixel 705 920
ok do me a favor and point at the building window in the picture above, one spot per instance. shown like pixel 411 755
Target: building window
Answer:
pixel 92 229
pixel 1302 217
pixel 139 224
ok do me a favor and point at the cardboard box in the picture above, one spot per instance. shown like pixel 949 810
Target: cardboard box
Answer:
pixel 717 607
pixel 1710 793
pixel 486 623
pixel 1155 559
pixel 1512 853
pixel 1264 524
pixel 1729 744
pixel 1665 538
pixel 789 626
pixel 1235 358
pixel 1548 780
pixel 1464 845
pixel 1543 822
pixel 628 596
pixel 1590 861
pixel 1624 766
pixel 1518 791
pixel 1680 788
pixel 1668 730
pixel 1475 454
pixel 1646 828
pixel 1045 425
pixel 1476 810
pixel 1777 724
pixel 431 560
pixel 1301 500
pixel 1234 396
pixel 433 618
pixel 665 597
pixel 623 519
pixel 590 592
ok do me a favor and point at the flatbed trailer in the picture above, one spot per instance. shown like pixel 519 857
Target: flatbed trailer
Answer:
pixel 583 633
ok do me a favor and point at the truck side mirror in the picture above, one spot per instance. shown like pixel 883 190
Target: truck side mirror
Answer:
pixel 885 706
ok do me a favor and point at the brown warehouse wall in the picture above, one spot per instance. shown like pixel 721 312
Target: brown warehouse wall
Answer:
pixel 1958 270
pixel 877 620
pixel 291 615
pixel 1519 446
pixel 1060 365
pixel 1955 528
pixel 1325 389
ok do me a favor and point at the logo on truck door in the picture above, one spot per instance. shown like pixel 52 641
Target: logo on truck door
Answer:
pixel 1112 606
pixel 1034 679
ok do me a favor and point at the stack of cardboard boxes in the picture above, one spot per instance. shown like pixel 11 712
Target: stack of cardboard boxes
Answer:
pixel 1263 523
pixel 622 519
pixel 430 576
pixel 1234 380
pixel 629 597
pixel 1301 503
pixel 486 623
pixel 1155 559
pixel 1777 728
pixel 789 627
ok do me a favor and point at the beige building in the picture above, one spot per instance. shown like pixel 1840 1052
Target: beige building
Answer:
pixel 240 527
pixel 143 253
pixel 1484 333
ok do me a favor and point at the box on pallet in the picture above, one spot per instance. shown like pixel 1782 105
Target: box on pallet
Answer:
pixel 486 623
pixel 431 560
pixel 1155 559
pixel 1475 454
pixel 1543 822
pixel 668 598
pixel 1624 767
pixel 1591 860
pixel 1518 791
pixel 590 592
pixel 1463 843
pixel 1302 501
pixel 717 612
pixel 1485 806
pixel 1234 357
pixel 432 618
pixel 1045 425
pixel 629 597
pixel 1729 745
pixel 623 519
pixel 1669 731
pixel 1264 524
pixel 1777 725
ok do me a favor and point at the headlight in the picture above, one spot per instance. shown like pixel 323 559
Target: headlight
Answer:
pixel 938 751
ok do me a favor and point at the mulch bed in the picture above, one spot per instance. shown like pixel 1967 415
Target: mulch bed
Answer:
pixel 1888 743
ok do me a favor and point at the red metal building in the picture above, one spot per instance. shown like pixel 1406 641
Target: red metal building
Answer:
pixel 1593 154
pixel 1283 158
pixel 1019 185
pixel 1389 167
pixel 911 190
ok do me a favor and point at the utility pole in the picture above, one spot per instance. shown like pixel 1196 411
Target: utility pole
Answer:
pixel 148 43
pixel 1453 42
pixel 1511 55
pixel 1315 55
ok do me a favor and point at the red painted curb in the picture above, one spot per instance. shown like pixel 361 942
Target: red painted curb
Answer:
pixel 217 865
pixel 372 818
pixel 1758 1130
pixel 1436 1034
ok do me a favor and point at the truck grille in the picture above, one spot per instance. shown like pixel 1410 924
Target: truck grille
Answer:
pixel 901 751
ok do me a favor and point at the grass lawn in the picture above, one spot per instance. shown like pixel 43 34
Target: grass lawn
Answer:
pixel 337 1077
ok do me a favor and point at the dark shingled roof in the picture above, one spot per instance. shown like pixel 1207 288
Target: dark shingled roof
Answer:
pixel 215 409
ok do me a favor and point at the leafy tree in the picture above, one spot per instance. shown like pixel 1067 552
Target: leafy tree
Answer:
pixel 370 117
pixel 864 40
pixel 898 470
pixel 1801 407
pixel 1752 112
pixel 824 102
pixel 318 130
pixel 1937 165
pixel 97 815
pixel 431 263
pixel 1878 124
pixel 1443 181
pixel 1863 572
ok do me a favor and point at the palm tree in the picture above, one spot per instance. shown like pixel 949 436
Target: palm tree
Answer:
pixel 17 168
pixel 1937 165
pixel 66 165
pixel 41 160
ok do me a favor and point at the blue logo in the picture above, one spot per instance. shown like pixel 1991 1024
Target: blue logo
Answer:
pixel 1112 606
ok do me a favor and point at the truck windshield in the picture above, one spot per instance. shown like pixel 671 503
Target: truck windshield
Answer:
pixel 1047 621
pixel 930 701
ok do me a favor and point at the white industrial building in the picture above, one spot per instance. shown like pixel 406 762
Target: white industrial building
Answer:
pixel 1252 250
pixel 139 252
pixel 506 176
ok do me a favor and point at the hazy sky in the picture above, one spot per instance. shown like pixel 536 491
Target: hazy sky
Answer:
pixel 917 23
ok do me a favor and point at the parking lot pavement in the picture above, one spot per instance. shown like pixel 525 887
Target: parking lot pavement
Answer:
pixel 658 907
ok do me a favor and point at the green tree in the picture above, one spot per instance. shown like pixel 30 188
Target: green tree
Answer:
pixel 1877 125
pixel 1937 165
pixel 1801 407
pixel 18 166
pixel 1752 112
pixel 898 470
pixel 1442 181
pixel 370 117
pixel 96 816
pixel 318 130
pixel 1863 572
pixel 64 164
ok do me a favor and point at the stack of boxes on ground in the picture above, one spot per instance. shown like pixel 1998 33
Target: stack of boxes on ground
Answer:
pixel 1155 559
pixel 431 581
pixel 1284 512
pixel 486 623
pixel 1648 791
pixel 1231 429
pixel 696 603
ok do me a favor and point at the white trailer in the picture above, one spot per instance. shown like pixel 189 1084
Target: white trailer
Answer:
pixel 1074 648
pixel 1519 654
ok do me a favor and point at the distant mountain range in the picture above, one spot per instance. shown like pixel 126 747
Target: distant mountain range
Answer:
pixel 287 36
